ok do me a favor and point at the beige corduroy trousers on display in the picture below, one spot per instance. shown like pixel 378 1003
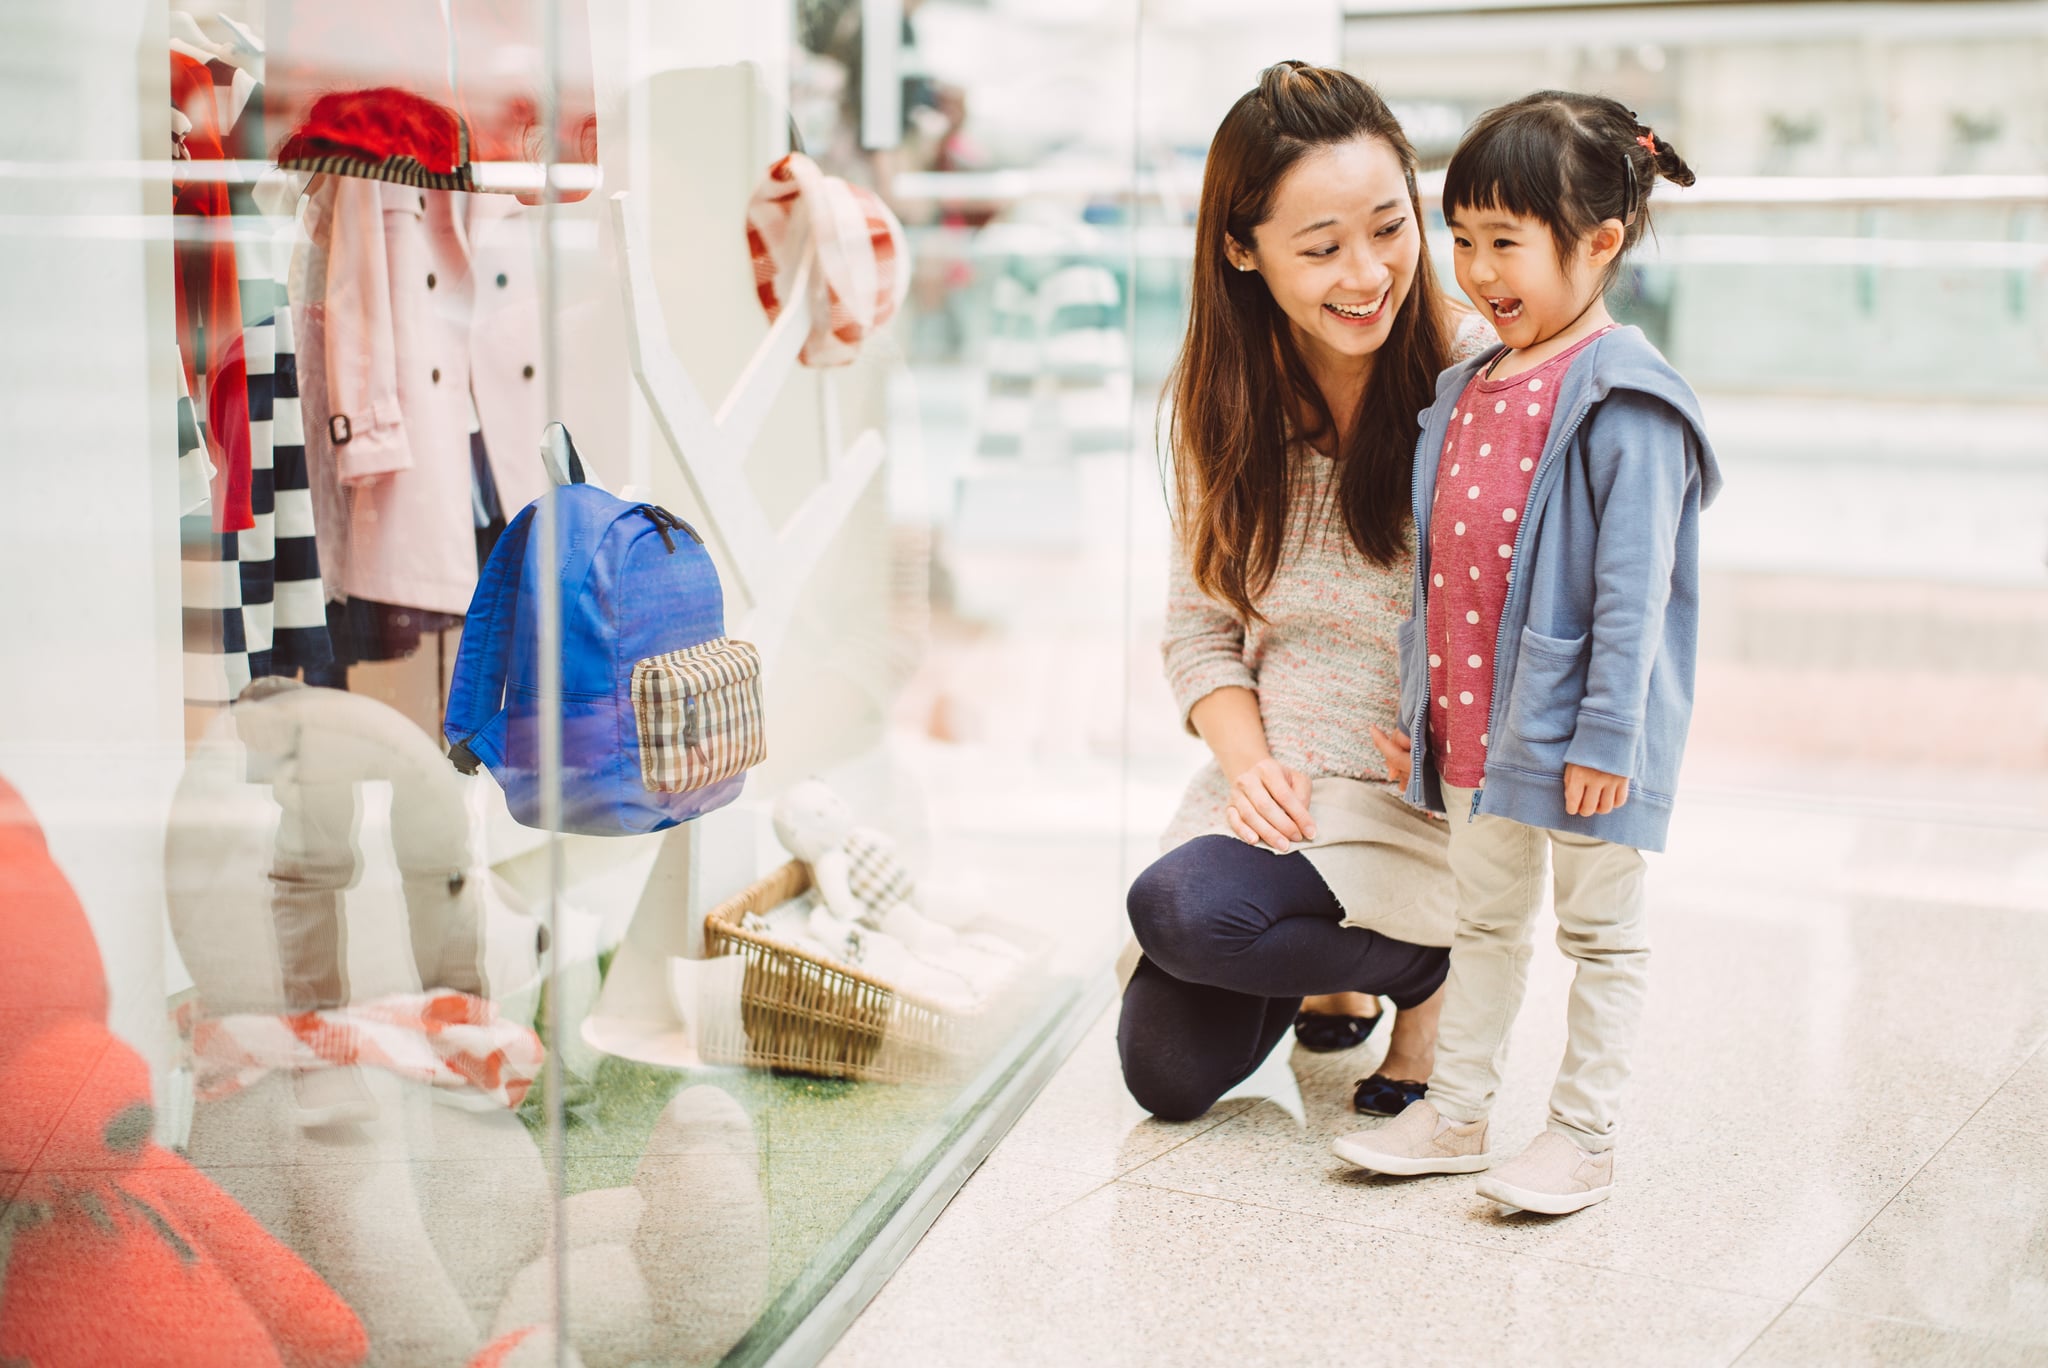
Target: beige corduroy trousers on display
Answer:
pixel 1499 866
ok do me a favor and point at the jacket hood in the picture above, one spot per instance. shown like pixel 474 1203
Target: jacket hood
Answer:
pixel 1623 359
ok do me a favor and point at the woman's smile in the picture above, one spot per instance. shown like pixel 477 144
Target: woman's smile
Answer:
pixel 1362 315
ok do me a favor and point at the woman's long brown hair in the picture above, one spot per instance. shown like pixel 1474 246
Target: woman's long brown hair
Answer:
pixel 1239 373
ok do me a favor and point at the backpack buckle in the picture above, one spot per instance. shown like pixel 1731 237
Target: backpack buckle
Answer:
pixel 464 759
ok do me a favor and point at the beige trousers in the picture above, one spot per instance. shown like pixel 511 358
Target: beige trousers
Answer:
pixel 1498 866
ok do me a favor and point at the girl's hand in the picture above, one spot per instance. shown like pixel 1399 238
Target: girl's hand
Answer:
pixel 1591 792
pixel 1399 761
pixel 1269 805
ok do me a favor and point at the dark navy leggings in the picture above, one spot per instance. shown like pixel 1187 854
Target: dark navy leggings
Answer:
pixel 1234 937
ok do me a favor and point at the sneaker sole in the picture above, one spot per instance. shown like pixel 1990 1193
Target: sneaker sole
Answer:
pixel 1398 1166
pixel 1542 1203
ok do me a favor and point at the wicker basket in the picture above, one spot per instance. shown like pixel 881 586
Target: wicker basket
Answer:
pixel 808 1015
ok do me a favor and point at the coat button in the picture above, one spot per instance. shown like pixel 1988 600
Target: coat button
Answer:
pixel 528 372
pixel 437 375
pixel 430 280
pixel 502 282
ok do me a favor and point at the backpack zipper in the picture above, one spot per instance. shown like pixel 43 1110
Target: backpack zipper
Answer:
pixel 663 520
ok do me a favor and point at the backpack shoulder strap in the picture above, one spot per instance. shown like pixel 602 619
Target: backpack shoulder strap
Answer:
pixel 477 694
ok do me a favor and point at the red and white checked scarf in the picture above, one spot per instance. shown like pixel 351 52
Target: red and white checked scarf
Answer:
pixel 863 266
pixel 447 1038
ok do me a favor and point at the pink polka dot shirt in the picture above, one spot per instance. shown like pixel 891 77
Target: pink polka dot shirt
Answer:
pixel 1498 432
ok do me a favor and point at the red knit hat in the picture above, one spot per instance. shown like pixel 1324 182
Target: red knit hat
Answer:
pixel 384 132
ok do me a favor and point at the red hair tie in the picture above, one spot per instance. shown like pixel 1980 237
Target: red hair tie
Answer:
pixel 1648 140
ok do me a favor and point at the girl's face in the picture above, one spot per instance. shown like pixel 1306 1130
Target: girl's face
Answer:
pixel 1508 267
pixel 1340 249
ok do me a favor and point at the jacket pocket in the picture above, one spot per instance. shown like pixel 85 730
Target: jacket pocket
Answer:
pixel 1550 683
pixel 1414 676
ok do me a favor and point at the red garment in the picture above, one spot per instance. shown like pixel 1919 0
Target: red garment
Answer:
pixel 208 297
pixel 1498 431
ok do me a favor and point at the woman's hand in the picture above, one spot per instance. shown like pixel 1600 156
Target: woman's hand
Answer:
pixel 1399 761
pixel 1591 792
pixel 1269 806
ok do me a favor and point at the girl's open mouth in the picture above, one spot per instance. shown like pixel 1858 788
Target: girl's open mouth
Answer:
pixel 1360 313
pixel 1505 310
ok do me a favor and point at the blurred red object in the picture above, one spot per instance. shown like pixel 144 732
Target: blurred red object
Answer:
pixel 113 1249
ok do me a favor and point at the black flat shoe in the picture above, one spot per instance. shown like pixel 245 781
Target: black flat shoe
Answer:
pixel 1328 1032
pixel 1384 1096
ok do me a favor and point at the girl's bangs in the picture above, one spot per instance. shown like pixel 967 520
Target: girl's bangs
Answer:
pixel 1502 167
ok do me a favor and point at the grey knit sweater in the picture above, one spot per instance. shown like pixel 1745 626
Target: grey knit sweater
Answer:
pixel 1324 663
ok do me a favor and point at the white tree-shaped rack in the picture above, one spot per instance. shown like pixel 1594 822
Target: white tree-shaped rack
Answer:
pixel 713 856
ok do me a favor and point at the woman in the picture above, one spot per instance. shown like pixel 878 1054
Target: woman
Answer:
pixel 1316 333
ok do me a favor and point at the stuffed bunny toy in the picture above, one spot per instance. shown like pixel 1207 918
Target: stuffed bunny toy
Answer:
pixel 290 892
pixel 867 904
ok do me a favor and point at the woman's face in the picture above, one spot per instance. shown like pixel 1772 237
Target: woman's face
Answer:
pixel 1340 250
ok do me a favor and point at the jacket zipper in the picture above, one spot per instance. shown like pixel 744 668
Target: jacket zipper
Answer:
pixel 1550 458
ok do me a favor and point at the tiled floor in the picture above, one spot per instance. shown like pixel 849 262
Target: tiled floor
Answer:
pixel 1835 1155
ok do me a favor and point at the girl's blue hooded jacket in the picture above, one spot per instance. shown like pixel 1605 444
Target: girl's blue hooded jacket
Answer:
pixel 1594 661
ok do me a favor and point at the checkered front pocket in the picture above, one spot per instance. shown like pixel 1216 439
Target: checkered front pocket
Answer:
pixel 698 711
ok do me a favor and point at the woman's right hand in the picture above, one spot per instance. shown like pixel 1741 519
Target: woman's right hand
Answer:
pixel 1399 762
pixel 1269 806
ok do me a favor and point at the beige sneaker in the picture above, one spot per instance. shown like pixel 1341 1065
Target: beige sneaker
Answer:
pixel 1419 1140
pixel 1553 1176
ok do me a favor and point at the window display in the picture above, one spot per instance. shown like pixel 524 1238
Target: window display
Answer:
pixel 566 910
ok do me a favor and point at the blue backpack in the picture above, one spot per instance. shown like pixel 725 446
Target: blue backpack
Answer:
pixel 636 582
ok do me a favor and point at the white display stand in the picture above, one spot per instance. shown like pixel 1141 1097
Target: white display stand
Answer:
pixel 714 857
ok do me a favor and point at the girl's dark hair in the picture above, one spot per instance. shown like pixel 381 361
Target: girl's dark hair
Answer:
pixel 1570 161
pixel 1239 373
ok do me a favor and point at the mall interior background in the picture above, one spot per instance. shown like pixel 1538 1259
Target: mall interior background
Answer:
pixel 969 656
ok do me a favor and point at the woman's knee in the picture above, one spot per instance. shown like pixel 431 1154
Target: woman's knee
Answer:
pixel 1182 911
pixel 1161 1088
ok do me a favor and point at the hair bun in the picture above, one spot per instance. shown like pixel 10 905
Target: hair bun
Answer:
pixel 1665 158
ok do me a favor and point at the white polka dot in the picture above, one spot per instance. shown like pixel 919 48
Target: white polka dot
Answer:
pixel 1454 470
pixel 1535 409
pixel 1472 616
pixel 1473 661
pixel 1501 406
pixel 1473 492
pixel 1528 464
pixel 1482 738
pixel 1536 384
pixel 1486 448
pixel 1443 702
pixel 1439 581
pixel 1459 529
pixel 1506 551
pixel 1454 413
pixel 1507 515
pixel 1436 662
pixel 1467 420
pixel 1475 572
pixel 1465 697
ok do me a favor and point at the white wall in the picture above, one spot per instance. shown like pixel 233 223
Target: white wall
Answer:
pixel 90 722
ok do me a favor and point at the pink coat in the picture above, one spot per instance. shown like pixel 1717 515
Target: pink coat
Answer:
pixel 428 296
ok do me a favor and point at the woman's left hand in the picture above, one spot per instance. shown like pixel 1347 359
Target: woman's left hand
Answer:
pixel 1399 762
pixel 1591 792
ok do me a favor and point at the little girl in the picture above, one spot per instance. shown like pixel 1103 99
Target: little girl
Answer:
pixel 1546 677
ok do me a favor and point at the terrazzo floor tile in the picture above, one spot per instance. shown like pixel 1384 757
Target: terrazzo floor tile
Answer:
pixel 1807 1337
pixel 1964 1246
pixel 1003 1197
pixel 1707 1193
pixel 2023 1101
pixel 1085 1121
pixel 1131 1275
